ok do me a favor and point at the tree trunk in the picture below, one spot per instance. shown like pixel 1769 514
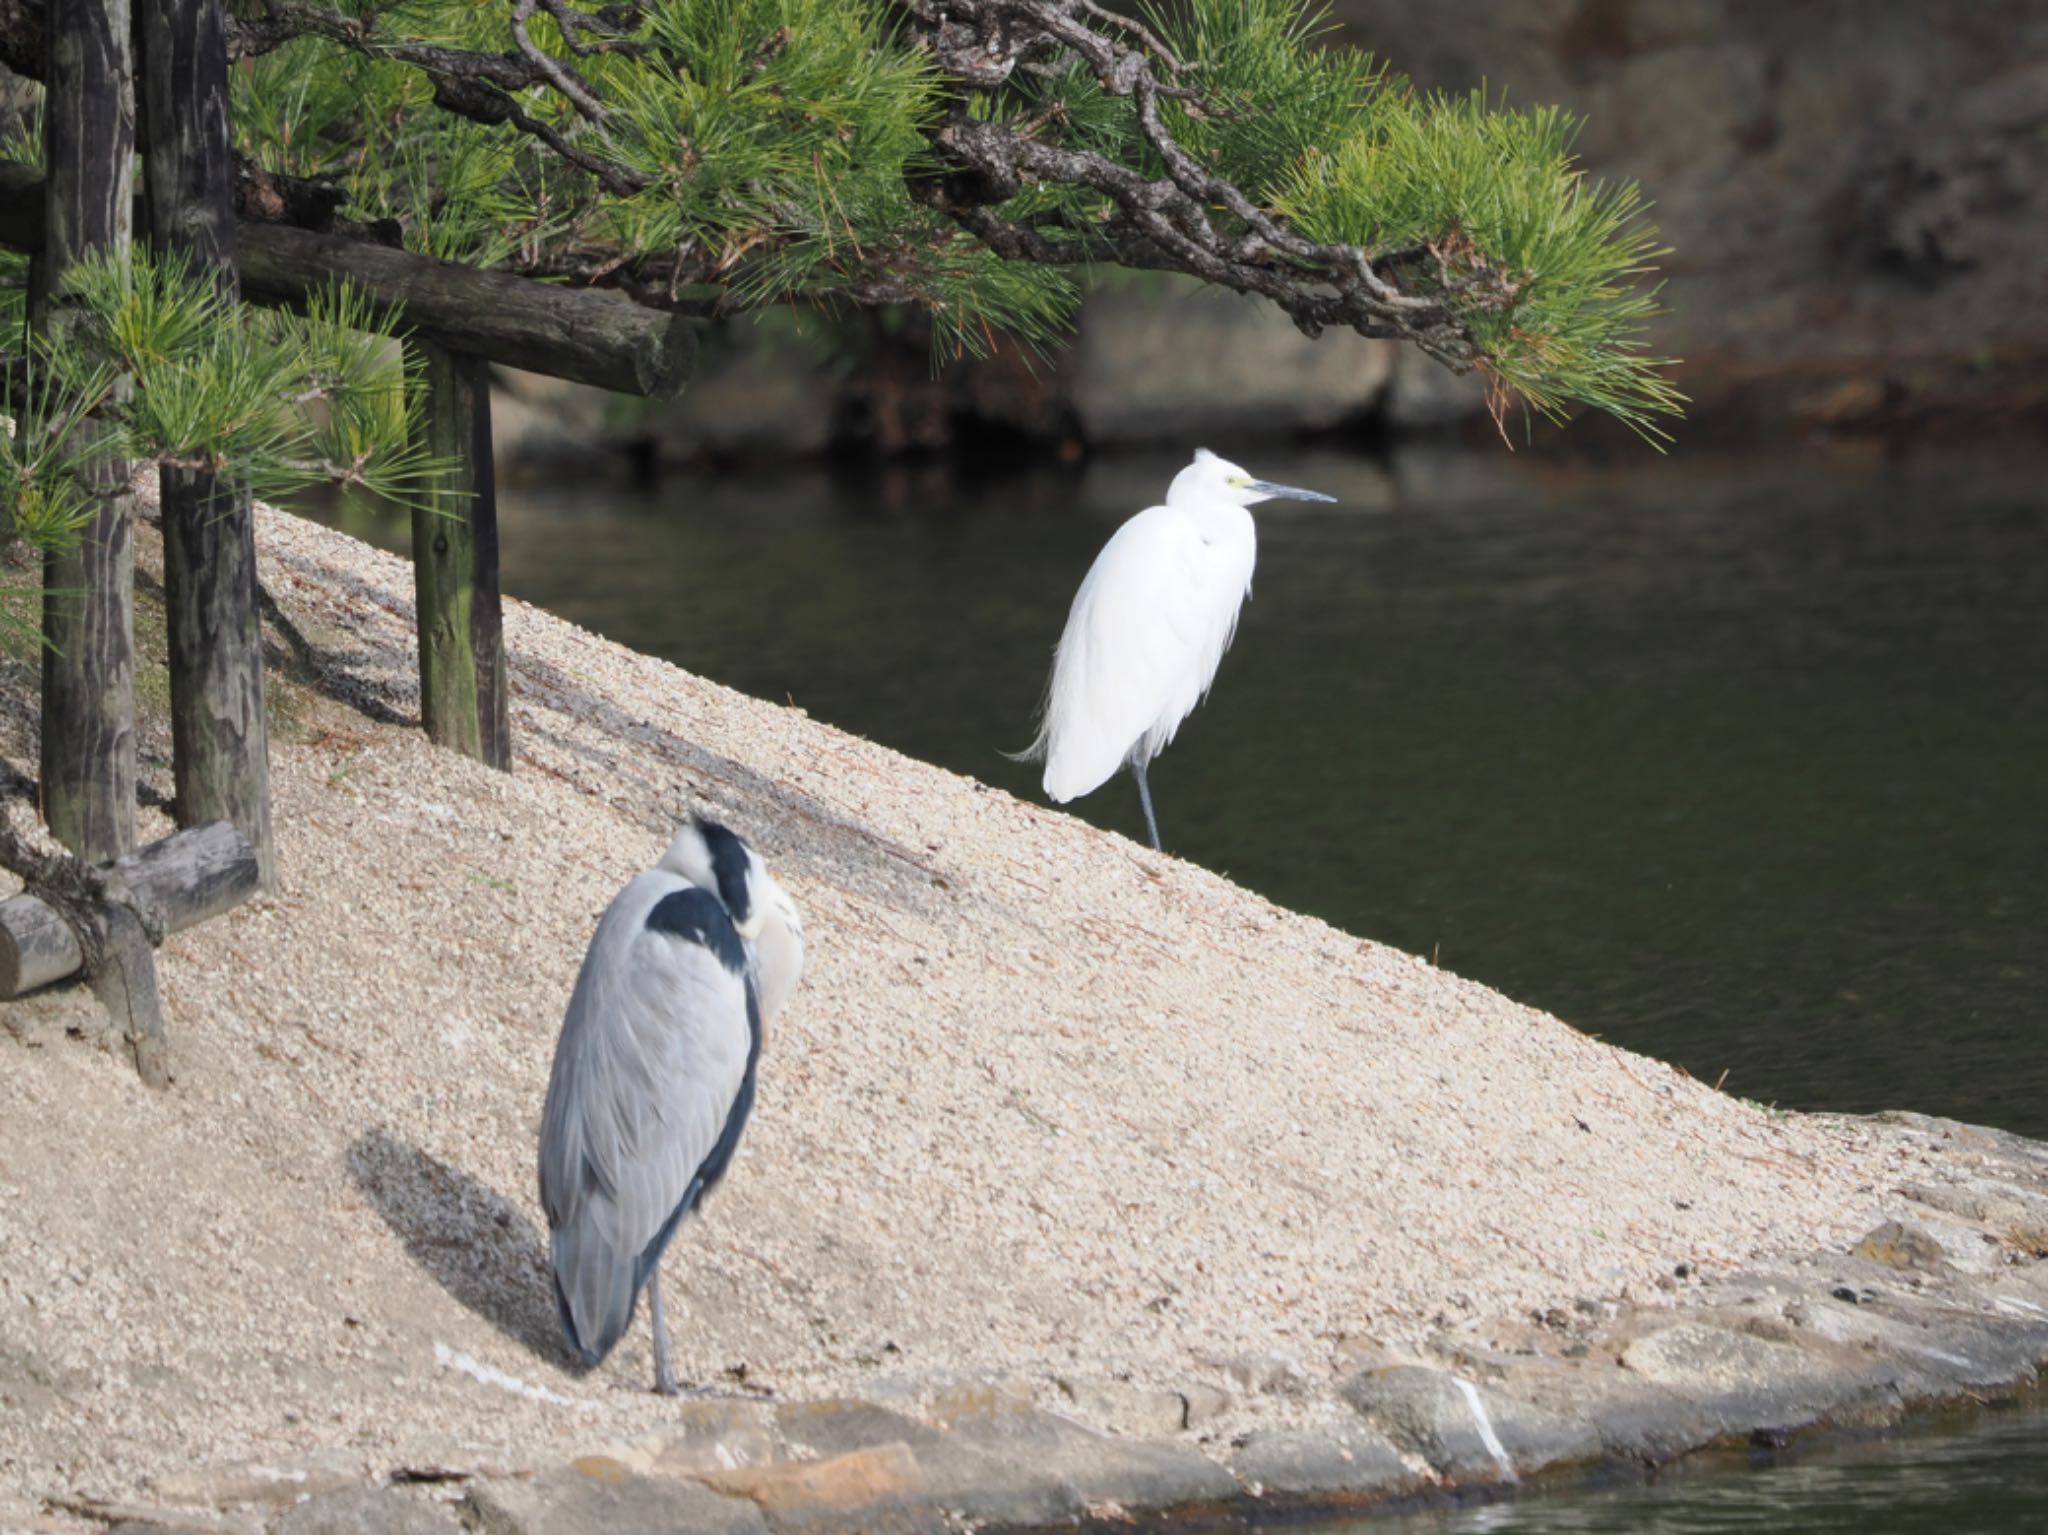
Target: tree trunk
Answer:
pixel 88 723
pixel 455 567
pixel 219 735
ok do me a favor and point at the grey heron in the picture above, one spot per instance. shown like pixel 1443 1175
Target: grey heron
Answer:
pixel 653 1076
pixel 1148 629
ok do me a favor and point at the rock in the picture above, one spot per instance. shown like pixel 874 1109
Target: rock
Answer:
pixel 880 1488
pixel 260 1481
pixel 1700 1358
pixel 835 1425
pixel 367 1511
pixel 959 1476
pixel 1119 1407
pixel 1897 1245
pixel 1737 1383
pixel 978 1487
pixel 1100 1469
pixel 759 393
pixel 717 1436
pixel 2018 1216
pixel 567 1502
pixel 1172 358
pixel 1929 1359
pixel 1339 1462
pixel 973 1399
pixel 1428 1413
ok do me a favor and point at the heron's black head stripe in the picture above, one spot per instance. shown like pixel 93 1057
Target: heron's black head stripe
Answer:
pixel 729 867
pixel 695 916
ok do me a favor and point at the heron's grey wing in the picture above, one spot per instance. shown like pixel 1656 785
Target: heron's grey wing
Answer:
pixel 658 1041
pixel 1147 630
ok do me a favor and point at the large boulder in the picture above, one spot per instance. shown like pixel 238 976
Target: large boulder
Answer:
pixel 1172 358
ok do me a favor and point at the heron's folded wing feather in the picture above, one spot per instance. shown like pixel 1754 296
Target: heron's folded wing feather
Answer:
pixel 651 1058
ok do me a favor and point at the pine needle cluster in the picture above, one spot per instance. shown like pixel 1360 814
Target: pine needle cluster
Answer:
pixel 172 373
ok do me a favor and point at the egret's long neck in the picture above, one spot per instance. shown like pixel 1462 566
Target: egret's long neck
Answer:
pixel 1218 518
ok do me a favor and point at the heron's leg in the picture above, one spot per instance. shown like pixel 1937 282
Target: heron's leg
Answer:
pixel 664 1381
pixel 1145 799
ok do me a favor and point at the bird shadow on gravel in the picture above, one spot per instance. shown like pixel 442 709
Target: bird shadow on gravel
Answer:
pixel 474 1242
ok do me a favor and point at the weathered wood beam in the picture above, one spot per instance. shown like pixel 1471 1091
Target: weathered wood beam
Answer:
pixel 586 335
pixel 88 702
pixel 180 881
pixel 220 758
pixel 464 702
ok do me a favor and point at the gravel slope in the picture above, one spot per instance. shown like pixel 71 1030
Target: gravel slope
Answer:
pixel 1046 1106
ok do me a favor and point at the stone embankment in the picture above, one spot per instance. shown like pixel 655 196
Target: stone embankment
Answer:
pixel 1084 1187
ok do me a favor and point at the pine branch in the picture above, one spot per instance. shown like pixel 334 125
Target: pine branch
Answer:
pixel 1169 213
pixel 1537 296
pixel 726 154
pixel 480 86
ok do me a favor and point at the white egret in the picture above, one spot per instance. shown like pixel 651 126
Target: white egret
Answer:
pixel 1148 628
pixel 654 1073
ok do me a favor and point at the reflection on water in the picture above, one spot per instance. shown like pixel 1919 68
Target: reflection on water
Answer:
pixel 1738 764
pixel 1991 1476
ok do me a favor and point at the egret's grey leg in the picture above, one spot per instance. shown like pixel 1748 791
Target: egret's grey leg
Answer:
pixel 664 1382
pixel 1145 799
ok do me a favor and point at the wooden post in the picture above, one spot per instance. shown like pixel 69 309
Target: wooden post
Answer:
pixel 180 881
pixel 463 701
pixel 88 713
pixel 219 734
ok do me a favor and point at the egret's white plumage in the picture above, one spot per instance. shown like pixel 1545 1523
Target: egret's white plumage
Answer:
pixel 653 1075
pixel 1148 628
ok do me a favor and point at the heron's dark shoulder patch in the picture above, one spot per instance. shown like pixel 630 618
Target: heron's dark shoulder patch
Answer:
pixel 729 867
pixel 695 916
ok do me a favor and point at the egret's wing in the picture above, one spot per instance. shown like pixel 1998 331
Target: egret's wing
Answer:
pixel 1143 640
pixel 645 1096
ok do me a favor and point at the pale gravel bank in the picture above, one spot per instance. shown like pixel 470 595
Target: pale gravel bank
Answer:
pixel 1047 1106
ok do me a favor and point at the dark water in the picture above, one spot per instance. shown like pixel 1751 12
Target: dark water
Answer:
pixel 1737 763
pixel 1989 1477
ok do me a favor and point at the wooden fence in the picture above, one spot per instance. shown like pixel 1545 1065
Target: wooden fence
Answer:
pixel 459 320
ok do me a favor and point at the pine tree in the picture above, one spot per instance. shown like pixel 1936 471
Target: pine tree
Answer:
pixel 969 158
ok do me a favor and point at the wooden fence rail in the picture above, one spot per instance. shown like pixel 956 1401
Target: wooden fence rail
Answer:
pixel 180 881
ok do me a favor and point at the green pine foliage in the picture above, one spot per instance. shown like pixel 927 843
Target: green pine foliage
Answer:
pixel 170 372
pixel 1480 188
pixel 775 137
pixel 776 143
pixel 1350 153
pixel 178 375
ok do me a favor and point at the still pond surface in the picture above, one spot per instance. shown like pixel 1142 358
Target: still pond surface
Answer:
pixel 1737 763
